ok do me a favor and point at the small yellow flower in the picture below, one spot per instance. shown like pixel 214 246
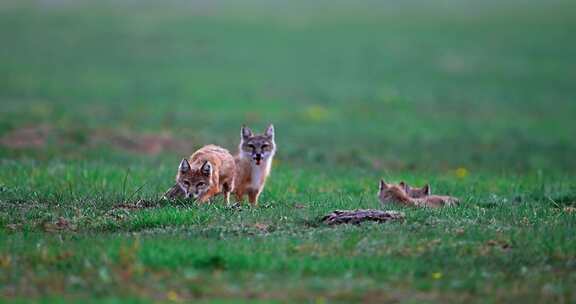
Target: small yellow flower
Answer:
pixel 461 172
pixel 173 296
pixel 437 275
pixel 5 261
pixel 316 113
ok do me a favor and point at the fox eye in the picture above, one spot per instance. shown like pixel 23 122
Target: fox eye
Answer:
pixel 200 184
pixel 187 184
pixel 251 147
pixel 264 147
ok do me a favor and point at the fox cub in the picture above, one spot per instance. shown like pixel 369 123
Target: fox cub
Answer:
pixel 389 193
pixel 254 162
pixel 210 170
pixel 414 192
pixel 426 192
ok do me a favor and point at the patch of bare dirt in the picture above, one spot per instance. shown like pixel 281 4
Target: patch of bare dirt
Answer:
pixel 262 227
pixel 140 204
pixel 60 225
pixel 122 210
pixel 569 209
pixel 36 137
pixel 26 137
pixel 150 144
pixel 498 244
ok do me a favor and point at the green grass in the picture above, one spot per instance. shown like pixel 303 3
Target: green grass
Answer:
pixel 100 100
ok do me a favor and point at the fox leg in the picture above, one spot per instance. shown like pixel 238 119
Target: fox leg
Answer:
pixel 253 197
pixel 226 189
pixel 239 192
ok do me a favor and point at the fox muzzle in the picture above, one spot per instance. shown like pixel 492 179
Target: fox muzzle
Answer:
pixel 257 157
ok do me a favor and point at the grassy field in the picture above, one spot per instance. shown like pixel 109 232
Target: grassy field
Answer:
pixel 100 100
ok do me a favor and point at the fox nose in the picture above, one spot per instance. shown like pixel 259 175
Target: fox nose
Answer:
pixel 257 157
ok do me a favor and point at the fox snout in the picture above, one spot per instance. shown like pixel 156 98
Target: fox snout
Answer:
pixel 257 157
pixel 191 195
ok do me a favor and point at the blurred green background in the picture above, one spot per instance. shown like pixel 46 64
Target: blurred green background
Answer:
pixel 99 100
pixel 411 85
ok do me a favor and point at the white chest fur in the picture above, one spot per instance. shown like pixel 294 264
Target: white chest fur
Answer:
pixel 259 174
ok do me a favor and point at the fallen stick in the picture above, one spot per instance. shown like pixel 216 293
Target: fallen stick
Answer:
pixel 360 215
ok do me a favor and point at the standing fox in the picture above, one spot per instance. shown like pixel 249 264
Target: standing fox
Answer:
pixel 253 163
pixel 389 193
pixel 210 170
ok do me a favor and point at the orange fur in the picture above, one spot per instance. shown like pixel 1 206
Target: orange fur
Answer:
pixel 254 163
pixel 210 170
pixel 414 192
pixel 389 193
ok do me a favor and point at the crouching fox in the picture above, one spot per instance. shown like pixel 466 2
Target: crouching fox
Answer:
pixel 209 171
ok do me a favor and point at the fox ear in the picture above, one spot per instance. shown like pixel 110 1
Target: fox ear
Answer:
pixel 403 185
pixel 184 166
pixel 427 189
pixel 270 131
pixel 383 185
pixel 245 132
pixel 206 168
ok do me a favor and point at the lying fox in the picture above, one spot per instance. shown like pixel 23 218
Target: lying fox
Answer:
pixel 211 170
pixel 390 193
pixel 414 192
pixel 253 163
